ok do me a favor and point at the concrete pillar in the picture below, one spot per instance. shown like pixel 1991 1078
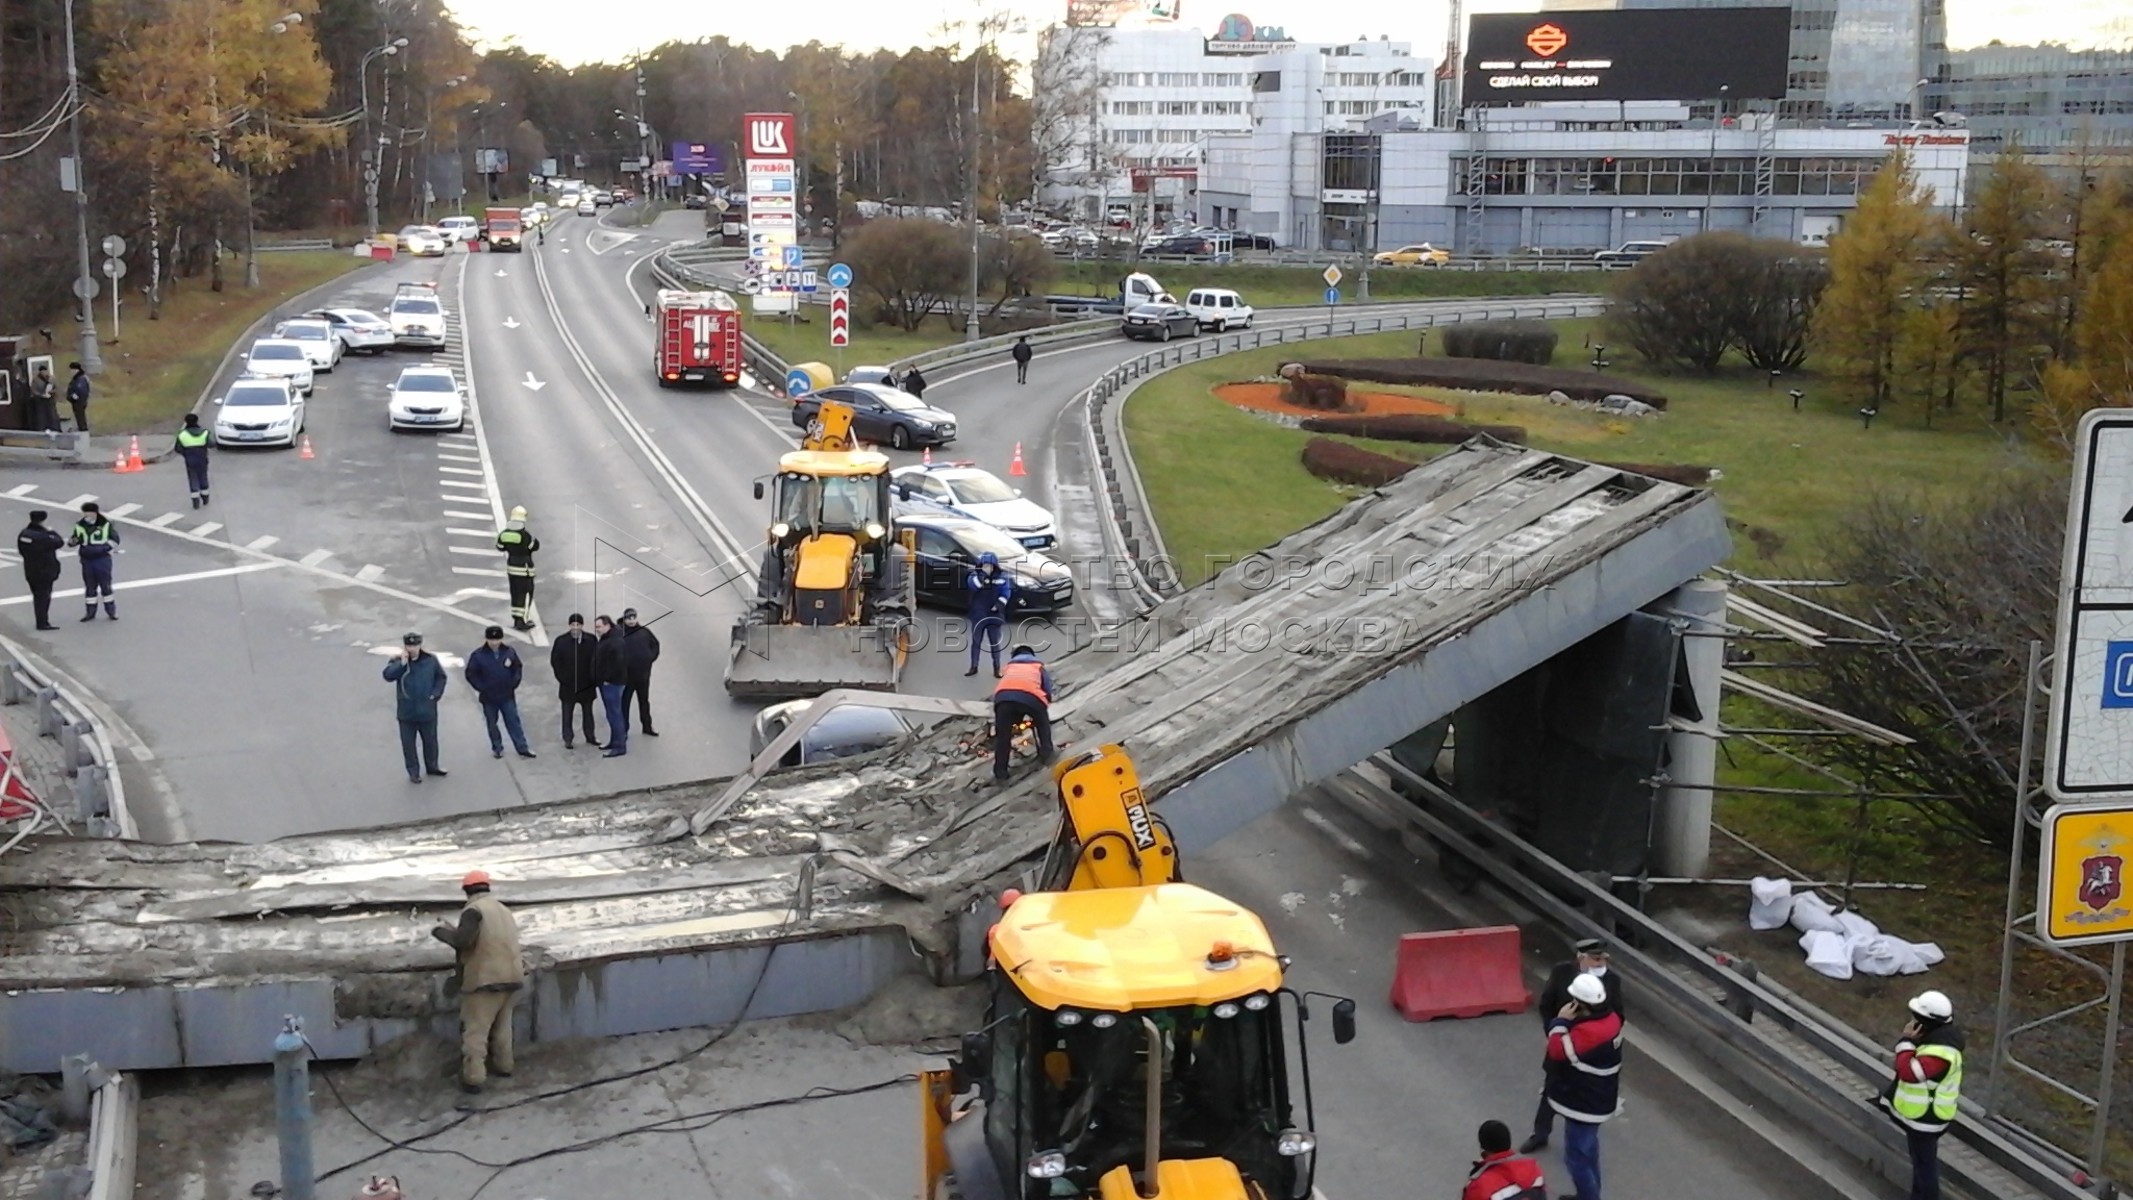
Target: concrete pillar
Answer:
pixel 1681 831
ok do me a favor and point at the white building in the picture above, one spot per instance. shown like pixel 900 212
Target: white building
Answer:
pixel 1155 97
pixel 1554 178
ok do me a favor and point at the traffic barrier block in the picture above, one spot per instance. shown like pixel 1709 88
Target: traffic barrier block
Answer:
pixel 1460 973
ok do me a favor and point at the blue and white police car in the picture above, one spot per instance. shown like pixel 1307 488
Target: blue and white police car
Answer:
pixel 966 490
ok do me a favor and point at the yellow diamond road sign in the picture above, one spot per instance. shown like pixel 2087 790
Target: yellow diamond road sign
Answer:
pixel 1332 276
pixel 2081 891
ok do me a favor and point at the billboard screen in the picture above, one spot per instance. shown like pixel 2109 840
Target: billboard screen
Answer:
pixel 696 158
pixel 1628 54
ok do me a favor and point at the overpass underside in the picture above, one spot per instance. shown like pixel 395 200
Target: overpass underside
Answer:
pixel 822 883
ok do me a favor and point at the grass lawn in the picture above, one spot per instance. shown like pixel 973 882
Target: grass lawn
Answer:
pixel 806 339
pixel 1282 287
pixel 1788 477
pixel 155 370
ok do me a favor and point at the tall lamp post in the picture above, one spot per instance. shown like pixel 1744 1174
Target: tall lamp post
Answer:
pixel 1710 185
pixel 251 211
pixel 92 359
pixel 987 29
pixel 370 143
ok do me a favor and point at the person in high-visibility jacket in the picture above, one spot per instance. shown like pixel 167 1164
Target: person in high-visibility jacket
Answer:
pixel 1024 691
pixel 192 447
pixel 96 537
pixel 1927 1084
pixel 518 544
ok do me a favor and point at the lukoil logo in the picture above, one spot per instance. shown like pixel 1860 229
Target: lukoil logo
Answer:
pixel 769 135
pixel 1547 40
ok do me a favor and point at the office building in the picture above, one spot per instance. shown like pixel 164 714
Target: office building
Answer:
pixel 2057 103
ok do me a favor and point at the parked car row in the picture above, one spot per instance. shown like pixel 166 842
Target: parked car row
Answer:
pixel 1216 309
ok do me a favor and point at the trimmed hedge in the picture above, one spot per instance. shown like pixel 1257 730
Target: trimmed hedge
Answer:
pixel 1502 341
pixel 1413 427
pixel 1339 462
pixel 1670 472
pixel 1485 375
pixel 1321 393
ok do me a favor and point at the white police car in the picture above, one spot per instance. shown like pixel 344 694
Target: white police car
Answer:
pixel 980 495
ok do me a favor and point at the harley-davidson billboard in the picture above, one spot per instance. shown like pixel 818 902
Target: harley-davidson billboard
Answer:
pixel 1689 54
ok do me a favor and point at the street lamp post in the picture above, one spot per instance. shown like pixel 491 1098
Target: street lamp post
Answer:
pixel 970 206
pixel 370 145
pixel 251 212
pixel 1710 185
pixel 92 359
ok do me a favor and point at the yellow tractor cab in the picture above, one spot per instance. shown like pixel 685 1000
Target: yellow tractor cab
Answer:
pixel 829 534
pixel 1136 1046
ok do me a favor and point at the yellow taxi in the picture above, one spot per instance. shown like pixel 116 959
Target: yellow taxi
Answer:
pixel 1421 254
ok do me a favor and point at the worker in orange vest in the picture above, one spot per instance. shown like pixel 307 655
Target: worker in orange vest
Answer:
pixel 1024 691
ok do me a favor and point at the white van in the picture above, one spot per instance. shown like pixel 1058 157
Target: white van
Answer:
pixel 1218 309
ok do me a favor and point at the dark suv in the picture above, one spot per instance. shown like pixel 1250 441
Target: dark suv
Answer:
pixel 882 414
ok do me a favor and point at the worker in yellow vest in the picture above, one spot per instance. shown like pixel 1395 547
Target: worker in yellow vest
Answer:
pixel 1928 1082
pixel 1024 692
pixel 518 544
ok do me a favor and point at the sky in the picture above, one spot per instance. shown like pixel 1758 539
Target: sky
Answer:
pixel 615 30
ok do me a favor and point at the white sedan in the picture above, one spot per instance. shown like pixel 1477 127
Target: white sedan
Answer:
pixel 257 411
pixel 459 229
pixel 278 358
pixel 586 208
pixel 321 345
pixel 358 329
pixel 427 398
pixel 421 240
pixel 980 495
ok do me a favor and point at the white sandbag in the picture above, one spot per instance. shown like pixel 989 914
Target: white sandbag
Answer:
pixel 1828 953
pixel 1929 955
pixel 1857 926
pixel 1769 902
pixel 1882 955
pixel 1811 913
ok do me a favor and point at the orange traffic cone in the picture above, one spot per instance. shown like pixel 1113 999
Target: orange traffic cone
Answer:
pixel 928 459
pixel 118 465
pixel 133 456
pixel 304 451
pixel 1016 467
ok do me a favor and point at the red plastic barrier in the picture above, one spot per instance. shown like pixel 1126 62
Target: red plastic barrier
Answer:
pixel 14 790
pixel 1459 973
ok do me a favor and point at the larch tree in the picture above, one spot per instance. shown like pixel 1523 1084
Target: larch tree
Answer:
pixel 2101 372
pixel 1877 274
pixel 2002 266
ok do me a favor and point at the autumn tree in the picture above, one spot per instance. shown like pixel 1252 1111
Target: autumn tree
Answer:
pixel 1066 148
pixel 1877 268
pixel 911 265
pixel 1706 295
pixel 1014 264
pixel 2100 371
pixel 2001 266
pixel 1786 285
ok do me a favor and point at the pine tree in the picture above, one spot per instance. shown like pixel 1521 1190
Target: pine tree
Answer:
pixel 2003 267
pixel 1876 277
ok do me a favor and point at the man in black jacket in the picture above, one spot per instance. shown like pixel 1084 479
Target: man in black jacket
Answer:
pixel 1591 960
pixel 39 549
pixel 640 649
pixel 571 658
pixel 611 671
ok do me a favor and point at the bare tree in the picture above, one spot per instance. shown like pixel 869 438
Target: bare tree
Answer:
pixel 1066 98
pixel 1685 304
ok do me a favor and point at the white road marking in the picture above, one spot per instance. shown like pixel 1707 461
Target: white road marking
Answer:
pixel 202 530
pixel 538 635
pixel 169 518
pixel 476 485
pixel 261 542
pixel 370 573
pixel 127 585
pixel 78 501
pixel 484 551
pixel 22 489
pixel 462 515
pixel 315 557
pixel 123 510
pixel 472 458
pixel 474 471
pixel 484 572
pixel 480 533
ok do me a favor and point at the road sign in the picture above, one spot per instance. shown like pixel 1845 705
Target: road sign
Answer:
pixel 798 383
pixel 840 310
pixel 2088 741
pixel 750 287
pixel 840 275
pixel 794 256
pixel 2081 894
pixel 809 281
pixel 1333 295
pixel 1332 276
pixel 114 268
pixel 114 246
pixel 86 287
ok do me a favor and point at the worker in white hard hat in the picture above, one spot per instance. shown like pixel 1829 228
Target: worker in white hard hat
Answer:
pixel 518 544
pixel 1584 1083
pixel 1928 1081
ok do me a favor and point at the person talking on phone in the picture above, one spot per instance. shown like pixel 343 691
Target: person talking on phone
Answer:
pixel 1584 1078
pixel 418 681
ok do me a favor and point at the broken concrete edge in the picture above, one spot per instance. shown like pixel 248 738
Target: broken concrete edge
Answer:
pixel 83 707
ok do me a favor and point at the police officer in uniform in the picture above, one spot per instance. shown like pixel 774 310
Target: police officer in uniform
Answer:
pixel 39 548
pixel 97 537
pixel 1928 1082
pixel 192 447
pixel 518 544
pixel 1024 690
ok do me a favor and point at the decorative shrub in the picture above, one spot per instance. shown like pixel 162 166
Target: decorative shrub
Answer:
pixel 1504 341
pixel 1340 462
pixel 1487 375
pixel 1320 393
pixel 1413 427
pixel 1670 472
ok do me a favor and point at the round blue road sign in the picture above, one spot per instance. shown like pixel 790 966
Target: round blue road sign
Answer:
pixel 1333 295
pixel 840 276
pixel 798 383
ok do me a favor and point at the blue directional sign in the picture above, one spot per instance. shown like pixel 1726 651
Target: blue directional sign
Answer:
pixel 798 383
pixel 2118 675
pixel 1333 295
pixel 808 281
pixel 840 275
pixel 793 258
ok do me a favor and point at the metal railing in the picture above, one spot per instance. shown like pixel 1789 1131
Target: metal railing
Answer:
pixel 85 749
pixel 295 244
pixel 66 446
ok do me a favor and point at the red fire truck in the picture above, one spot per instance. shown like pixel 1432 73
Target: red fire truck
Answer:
pixel 696 339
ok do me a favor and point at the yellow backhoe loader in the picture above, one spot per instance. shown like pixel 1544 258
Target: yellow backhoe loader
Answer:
pixel 834 598
pixel 1136 1043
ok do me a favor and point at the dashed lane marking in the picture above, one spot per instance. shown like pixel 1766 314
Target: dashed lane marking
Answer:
pixel 472 458
pixel 78 501
pixel 203 529
pixel 477 533
pixel 476 484
pixel 169 518
pixel 123 510
pixel 370 573
pixel 477 472
pixel 261 542
pixel 464 516
pixel 484 551
pixel 315 557
pixel 483 572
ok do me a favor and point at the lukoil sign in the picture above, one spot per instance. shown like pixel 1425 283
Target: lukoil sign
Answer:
pixel 769 135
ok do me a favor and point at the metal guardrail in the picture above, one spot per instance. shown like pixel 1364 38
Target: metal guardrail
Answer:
pixel 296 244
pixel 85 749
pixel 66 446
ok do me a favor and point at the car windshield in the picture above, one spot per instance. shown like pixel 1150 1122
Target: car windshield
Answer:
pixel 424 383
pixel 980 538
pixel 256 397
pixel 417 231
pixel 417 307
pixel 356 316
pixel 277 352
pixel 980 489
pixel 1152 310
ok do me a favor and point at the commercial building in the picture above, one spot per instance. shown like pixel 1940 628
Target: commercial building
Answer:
pixel 1156 96
pixel 2052 101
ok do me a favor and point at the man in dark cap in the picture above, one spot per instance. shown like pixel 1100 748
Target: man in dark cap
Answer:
pixel 640 649
pixel 418 681
pixel 192 447
pixel 1591 960
pixel 39 548
pixel 1499 1174
pixel 494 671
pixel 571 658
pixel 78 397
pixel 97 537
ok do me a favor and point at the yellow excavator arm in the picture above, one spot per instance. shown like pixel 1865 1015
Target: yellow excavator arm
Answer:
pixel 1114 840
pixel 831 429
